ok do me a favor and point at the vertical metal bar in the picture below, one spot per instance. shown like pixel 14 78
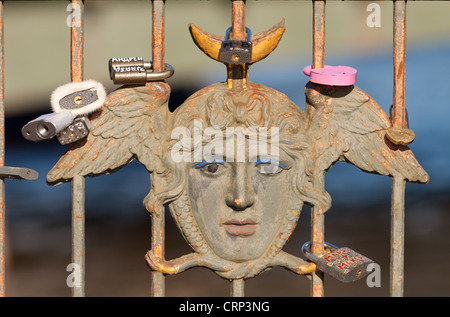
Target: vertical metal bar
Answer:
pixel 78 182
pixel 77 47
pixel 238 20
pixel 237 288
pixel 399 112
pixel 317 241
pixel 78 231
pixel 318 33
pixel 158 47
pixel 2 160
pixel 158 217
pixel 238 73
pixel 399 121
pixel 397 236
pixel 158 245
pixel 317 217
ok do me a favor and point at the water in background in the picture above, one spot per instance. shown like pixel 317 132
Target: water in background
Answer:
pixel 121 194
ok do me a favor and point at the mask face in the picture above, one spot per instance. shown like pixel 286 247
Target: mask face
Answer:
pixel 239 206
pixel 241 164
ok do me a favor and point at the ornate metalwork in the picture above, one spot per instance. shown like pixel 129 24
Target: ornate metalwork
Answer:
pixel 235 217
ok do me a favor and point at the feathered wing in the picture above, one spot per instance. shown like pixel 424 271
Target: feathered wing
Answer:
pixel 347 124
pixel 131 124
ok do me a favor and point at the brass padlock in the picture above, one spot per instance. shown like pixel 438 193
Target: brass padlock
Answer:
pixel 236 51
pixel 343 264
pixel 116 63
pixel 134 71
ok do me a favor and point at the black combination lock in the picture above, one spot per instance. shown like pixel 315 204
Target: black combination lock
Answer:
pixel 236 51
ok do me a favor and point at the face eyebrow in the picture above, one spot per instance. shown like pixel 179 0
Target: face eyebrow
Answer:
pixel 214 160
pixel 270 161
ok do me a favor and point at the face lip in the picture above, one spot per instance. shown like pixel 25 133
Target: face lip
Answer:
pixel 240 228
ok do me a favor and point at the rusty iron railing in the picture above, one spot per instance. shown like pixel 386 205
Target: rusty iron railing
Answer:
pixel 158 222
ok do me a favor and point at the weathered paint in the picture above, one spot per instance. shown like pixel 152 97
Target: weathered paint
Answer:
pixel 263 43
pixel 397 236
pixel 324 109
pixel 318 33
pixel 399 124
pixel 158 48
pixel 399 54
pixel 317 215
pixel 399 133
pixel 77 42
pixel 158 218
pixel 78 230
pixel 78 181
pixel 237 288
pixel 2 159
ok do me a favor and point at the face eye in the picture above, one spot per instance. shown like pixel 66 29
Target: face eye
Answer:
pixel 210 166
pixel 269 166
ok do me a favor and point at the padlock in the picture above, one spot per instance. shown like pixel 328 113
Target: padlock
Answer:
pixel 71 104
pixel 77 130
pixel 80 98
pixel 47 126
pixel 129 75
pixel 134 71
pixel 116 63
pixel 343 264
pixel 236 51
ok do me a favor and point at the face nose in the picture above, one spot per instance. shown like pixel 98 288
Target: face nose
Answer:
pixel 240 195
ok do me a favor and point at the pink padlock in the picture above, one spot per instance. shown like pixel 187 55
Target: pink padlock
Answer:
pixel 332 75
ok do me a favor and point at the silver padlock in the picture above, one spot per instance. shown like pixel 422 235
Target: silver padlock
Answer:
pixel 343 264
pixel 46 126
pixel 77 130
pixel 70 103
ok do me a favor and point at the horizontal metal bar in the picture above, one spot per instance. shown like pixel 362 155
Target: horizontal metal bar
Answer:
pixel 18 173
pixel 263 0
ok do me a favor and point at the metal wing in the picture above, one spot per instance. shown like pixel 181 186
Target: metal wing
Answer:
pixel 347 124
pixel 131 124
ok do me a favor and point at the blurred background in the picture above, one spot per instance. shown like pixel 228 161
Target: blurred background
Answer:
pixel 37 60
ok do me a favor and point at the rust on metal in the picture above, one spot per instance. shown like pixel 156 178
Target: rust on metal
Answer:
pixel 158 217
pixel 318 33
pixel 397 237
pixel 263 43
pixel 2 158
pixel 237 74
pixel 237 221
pixel 78 181
pixel 399 113
pixel 158 48
pixel 318 217
pixel 238 31
pixel 77 41
pixel 399 133
pixel 78 231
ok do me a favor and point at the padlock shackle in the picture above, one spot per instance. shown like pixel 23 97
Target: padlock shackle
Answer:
pixel 306 250
pixel 249 34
